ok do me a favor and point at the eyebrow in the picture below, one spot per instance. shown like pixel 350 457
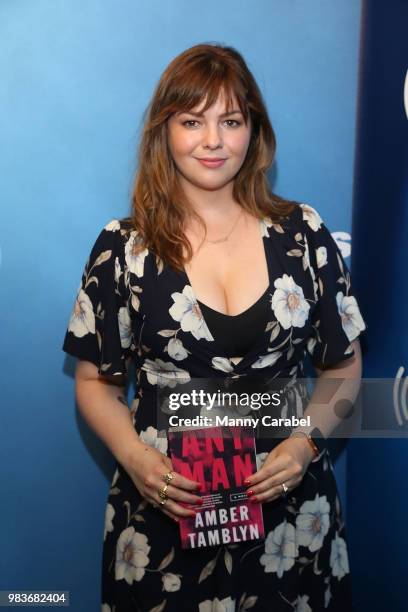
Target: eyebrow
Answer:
pixel 233 112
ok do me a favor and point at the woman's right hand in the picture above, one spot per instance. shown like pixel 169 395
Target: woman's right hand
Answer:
pixel 147 467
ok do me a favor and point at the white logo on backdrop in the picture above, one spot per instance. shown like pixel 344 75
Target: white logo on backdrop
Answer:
pixel 400 397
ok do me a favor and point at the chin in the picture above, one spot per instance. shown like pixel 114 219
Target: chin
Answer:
pixel 211 186
pixel 215 184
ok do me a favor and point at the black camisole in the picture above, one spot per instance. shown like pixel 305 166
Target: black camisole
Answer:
pixel 236 334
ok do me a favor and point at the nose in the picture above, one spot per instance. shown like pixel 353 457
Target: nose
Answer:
pixel 212 137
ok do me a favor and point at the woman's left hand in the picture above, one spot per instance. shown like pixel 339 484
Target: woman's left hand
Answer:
pixel 286 463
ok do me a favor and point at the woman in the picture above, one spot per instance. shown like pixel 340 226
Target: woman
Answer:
pixel 213 276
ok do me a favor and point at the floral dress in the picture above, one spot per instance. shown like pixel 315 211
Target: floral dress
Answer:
pixel 130 304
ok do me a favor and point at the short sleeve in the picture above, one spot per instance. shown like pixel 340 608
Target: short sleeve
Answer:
pixel 99 328
pixel 336 318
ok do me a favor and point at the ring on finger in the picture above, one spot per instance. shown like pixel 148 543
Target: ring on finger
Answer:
pixel 162 493
pixel 163 501
pixel 168 477
pixel 285 489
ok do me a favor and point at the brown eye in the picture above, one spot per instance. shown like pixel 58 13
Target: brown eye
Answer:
pixel 232 123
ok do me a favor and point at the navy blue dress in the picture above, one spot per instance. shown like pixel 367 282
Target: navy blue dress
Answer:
pixel 132 305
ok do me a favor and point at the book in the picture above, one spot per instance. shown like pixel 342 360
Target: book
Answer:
pixel 220 459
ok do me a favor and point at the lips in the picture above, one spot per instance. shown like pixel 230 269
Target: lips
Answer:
pixel 212 162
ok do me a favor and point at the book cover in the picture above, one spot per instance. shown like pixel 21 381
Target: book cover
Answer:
pixel 220 458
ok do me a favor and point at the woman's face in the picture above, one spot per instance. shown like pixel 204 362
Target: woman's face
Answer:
pixel 209 148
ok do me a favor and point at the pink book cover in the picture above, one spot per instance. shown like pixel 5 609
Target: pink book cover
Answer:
pixel 220 458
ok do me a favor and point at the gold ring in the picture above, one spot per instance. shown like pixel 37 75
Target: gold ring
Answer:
pixel 168 477
pixel 285 488
pixel 163 501
pixel 162 492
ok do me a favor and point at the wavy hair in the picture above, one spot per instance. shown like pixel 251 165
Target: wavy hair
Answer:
pixel 159 205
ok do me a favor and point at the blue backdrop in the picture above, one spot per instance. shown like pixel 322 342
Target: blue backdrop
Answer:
pixel 75 79
pixel 377 503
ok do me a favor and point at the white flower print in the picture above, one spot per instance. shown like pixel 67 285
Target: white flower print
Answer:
pixel 187 311
pixel 351 318
pixel 301 604
pixel 151 438
pixel 216 605
pixel 311 216
pixel 112 226
pixel 118 270
pixel 349 349
pixel 311 343
pixel 288 303
pixel 339 558
pixel 321 256
pixel 125 327
pixel 82 319
pixel 343 241
pixel 312 522
pixel 115 478
pixel 135 262
pixel 131 555
pixel 164 373
pixel 176 349
pixel 223 364
pixel 280 549
pixel 265 223
pixel 327 597
pixel 307 265
pixel 109 514
pixel 267 360
pixel 134 290
pixel 171 582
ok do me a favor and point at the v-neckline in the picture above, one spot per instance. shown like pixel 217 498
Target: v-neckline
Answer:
pixel 217 349
pixel 229 317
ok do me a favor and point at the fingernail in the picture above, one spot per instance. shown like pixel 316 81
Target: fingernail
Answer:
pixel 246 482
pixel 250 492
pixel 254 500
pixel 200 500
pixel 199 486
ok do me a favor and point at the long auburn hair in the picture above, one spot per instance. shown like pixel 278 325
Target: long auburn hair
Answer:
pixel 159 205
